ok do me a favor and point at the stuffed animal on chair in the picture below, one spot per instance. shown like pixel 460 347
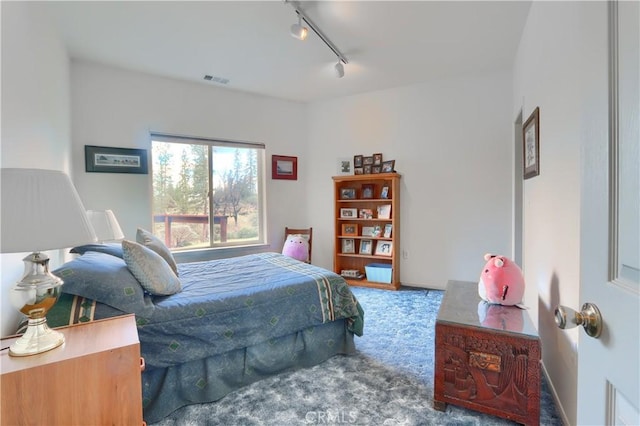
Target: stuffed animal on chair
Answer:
pixel 501 281
pixel 297 247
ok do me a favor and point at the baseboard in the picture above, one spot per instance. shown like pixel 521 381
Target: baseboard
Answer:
pixel 561 412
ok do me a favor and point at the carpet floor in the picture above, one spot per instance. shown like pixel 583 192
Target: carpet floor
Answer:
pixel 389 381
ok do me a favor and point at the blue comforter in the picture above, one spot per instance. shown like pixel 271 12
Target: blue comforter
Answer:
pixel 240 302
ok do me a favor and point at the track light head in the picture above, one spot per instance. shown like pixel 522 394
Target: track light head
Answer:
pixel 339 69
pixel 298 30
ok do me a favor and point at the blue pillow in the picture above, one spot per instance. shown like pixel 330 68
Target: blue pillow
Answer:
pixel 114 249
pixel 153 273
pixel 106 279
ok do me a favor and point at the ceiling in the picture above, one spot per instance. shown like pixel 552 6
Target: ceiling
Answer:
pixel 387 43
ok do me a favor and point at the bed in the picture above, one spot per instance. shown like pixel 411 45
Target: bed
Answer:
pixel 232 321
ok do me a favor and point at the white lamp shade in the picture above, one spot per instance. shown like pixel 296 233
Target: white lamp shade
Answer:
pixel 105 224
pixel 40 210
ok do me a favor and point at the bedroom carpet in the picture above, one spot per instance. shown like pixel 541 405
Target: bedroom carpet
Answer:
pixel 389 381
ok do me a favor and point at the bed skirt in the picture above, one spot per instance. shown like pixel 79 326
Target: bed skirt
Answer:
pixel 164 390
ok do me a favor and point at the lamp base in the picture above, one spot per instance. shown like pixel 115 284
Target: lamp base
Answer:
pixel 37 339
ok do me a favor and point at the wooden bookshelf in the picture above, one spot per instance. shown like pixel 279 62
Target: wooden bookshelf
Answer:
pixel 355 197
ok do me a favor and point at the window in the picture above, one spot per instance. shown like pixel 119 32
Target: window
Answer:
pixel 207 193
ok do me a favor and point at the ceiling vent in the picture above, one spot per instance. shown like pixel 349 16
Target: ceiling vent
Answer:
pixel 215 79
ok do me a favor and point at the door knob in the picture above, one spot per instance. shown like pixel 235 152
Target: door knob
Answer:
pixel 589 318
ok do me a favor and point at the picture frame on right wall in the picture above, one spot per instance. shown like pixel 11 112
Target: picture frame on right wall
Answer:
pixel 531 145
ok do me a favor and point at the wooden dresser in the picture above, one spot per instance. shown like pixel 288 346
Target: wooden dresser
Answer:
pixel 487 357
pixel 94 378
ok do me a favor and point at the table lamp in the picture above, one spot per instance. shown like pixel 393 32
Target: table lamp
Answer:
pixel 40 210
pixel 105 225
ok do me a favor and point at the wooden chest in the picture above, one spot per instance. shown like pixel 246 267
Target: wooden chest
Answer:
pixel 487 357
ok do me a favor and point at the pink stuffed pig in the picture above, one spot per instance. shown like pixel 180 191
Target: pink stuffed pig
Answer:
pixel 297 247
pixel 501 281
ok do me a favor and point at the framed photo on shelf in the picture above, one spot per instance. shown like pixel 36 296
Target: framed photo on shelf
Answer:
pixel 367 161
pixel 377 231
pixel 366 169
pixel 367 191
pixel 348 245
pixel 367 231
pixel 377 159
pixel 348 213
pixel 358 171
pixel 384 248
pixel 385 192
pixel 350 229
pixel 344 166
pixel 348 194
pixel 376 169
pixel 366 247
pixel 366 214
pixel 387 230
pixel 388 166
pixel 357 161
pixel 384 211
pixel 531 142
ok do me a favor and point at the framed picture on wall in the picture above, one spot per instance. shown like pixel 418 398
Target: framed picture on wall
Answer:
pixel 531 145
pixel 103 159
pixel 284 167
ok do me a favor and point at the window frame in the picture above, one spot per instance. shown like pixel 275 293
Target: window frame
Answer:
pixel 211 143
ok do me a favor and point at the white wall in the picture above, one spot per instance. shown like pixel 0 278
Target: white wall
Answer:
pixel 117 108
pixel 35 116
pixel 452 140
pixel 561 67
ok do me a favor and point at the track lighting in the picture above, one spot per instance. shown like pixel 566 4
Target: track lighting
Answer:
pixel 298 30
pixel 339 69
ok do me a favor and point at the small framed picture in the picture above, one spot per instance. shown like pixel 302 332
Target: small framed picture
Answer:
pixel 367 191
pixel 348 213
pixel 531 145
pixel 344 166
pixel 377 231
pixel 385 192
pixel 347 193
pixel 350 229
pixel 367 161
pixel 367 231
pixel 384 211
pixel 348 245
pixel 376 169
pixel 384 248
pixel 387 230
pixel 357 161
pixel 388 166
pixel 377 159
pixel 366 247
pixel 284 167
pixel 358 171
pixel 367 169
pixel 104 159
pixel 366 214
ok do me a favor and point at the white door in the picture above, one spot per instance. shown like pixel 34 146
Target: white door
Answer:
pixel 609 366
